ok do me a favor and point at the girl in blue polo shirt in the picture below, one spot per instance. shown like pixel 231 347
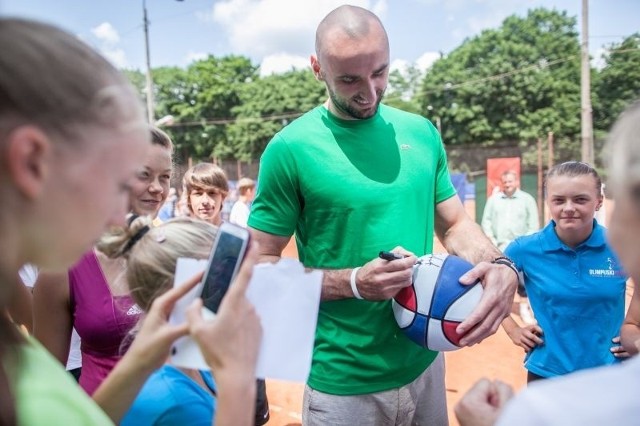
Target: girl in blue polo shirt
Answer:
pixel 575 283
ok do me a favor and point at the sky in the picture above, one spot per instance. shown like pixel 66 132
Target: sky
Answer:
pixel 279 34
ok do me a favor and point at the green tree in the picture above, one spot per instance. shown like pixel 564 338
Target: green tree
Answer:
pixel 402 89
pixel 172 93
pixel 215 85
pixel 267 105
pixel 511 84
pixel 618 83
pixel 201 99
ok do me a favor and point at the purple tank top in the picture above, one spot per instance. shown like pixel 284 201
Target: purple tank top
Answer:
pixel 103 321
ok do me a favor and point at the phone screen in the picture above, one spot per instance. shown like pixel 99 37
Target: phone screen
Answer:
pixel 225 262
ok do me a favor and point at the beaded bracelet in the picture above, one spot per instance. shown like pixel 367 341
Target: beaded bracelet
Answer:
pixel 504 260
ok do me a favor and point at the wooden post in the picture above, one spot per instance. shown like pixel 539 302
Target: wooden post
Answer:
pixel 550 143
pixel 585 89
pixel 540 184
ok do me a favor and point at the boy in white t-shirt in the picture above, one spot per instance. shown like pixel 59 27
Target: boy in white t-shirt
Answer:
pixel 241 208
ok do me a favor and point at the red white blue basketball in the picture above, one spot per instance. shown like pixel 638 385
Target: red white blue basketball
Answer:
pixel 435 304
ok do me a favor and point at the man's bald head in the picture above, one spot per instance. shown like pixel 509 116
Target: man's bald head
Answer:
pixel 353 21
pixel 352 58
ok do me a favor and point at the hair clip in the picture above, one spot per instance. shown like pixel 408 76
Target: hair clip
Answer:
pixel 135 238
pixel 160 237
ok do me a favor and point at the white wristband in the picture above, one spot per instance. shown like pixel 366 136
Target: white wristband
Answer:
pixel 354 288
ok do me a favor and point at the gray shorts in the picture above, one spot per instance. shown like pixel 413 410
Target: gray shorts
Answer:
pixel 421 402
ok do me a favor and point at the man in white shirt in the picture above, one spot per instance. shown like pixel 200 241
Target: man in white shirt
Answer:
pixel 241 208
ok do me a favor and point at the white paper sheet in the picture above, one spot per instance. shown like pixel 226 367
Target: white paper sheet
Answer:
pixel 286 298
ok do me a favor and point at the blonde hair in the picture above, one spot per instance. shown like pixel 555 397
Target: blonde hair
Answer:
pixel 245 184
pixel 152 258
pixel 158 137
pixel 624 153
pixel 573 169
pixel 51 79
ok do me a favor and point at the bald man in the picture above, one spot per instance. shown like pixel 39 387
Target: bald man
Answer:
pixel 350 178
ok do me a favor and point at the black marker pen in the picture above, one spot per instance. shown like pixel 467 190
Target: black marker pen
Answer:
pixel 389 255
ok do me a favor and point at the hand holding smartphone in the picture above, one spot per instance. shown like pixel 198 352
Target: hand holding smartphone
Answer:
pixel 227 254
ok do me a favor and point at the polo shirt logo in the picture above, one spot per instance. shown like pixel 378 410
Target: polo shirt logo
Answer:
pixel 134 310
pixel 612 270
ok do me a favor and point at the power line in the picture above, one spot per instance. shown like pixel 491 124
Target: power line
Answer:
pixel 235 120
pixel 540 65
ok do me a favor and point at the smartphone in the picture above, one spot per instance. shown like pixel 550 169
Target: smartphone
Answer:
pixel 229 249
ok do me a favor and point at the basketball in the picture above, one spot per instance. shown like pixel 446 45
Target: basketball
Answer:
pixel 435 304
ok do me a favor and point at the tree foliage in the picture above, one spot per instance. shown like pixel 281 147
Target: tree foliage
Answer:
pixel 201 99
pixel 403 85
pixel 618 82
pixel 506 86
pixel 514 83
pixel 267 105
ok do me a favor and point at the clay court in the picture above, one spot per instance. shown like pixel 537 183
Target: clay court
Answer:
pixel 495 358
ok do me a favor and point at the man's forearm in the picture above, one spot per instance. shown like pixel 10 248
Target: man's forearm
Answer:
pixel 467 240
pixel 336 284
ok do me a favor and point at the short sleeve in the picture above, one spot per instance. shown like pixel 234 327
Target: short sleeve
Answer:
pixel 278 202
pixel 514 252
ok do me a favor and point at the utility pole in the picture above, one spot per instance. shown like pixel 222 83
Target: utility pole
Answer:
pixel 585 89
pixel 149 78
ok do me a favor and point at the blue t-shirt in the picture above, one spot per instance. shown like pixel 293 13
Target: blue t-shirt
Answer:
pixel 577 296
pixel 170 397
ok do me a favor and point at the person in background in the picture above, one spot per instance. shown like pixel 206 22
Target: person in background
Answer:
pixel 93 296
pixel 205 188
pixel 508 214
pixel 598 396
pixel 168 209
pixel 182 209
pixel 241 208
pixel 351 178
pixel 29 275
pixel 574 279
pixel 19 308
pixel 71 141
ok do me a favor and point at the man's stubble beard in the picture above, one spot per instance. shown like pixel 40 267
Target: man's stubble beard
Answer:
pixel 350 111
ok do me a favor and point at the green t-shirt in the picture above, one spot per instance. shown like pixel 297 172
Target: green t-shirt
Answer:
pixel 46 394
pixel 349 189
